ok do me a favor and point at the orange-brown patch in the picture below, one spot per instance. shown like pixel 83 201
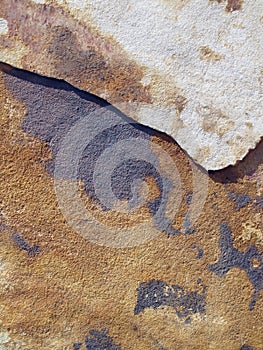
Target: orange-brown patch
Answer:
pixel 73 286
pixel 206 53
pixel 232 5
pixel 114 217
pixel 88 59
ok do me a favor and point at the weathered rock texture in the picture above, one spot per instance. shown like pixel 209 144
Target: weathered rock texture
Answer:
pixel 111 237
pixel 192 286
pixel 190 68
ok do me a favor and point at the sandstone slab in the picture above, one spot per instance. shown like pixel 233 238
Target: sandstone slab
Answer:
pixel 192 69
pixel 185 284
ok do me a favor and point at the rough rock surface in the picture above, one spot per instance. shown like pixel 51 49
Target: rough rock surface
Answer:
pixel 190 68
pixel 195 284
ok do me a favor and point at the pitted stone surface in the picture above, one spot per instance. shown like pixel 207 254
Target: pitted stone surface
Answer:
pixel 196 287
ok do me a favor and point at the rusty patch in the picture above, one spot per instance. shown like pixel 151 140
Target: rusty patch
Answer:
pixel 114 218
pixel 180 102
pixel 74 286
pixel 232 5
pixel 209 55
pixel 121 79
pixel 49 33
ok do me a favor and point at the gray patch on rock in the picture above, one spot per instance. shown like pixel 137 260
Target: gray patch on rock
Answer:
pixel 241 200
pixel 246 347
pixel 231 257
pixel 100 340
pixel 156 293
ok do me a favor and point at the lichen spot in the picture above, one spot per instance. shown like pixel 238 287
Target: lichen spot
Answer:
pixel 207 54
pixel 3 26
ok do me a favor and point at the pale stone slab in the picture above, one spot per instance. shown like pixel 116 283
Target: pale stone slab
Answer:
pixel 200 63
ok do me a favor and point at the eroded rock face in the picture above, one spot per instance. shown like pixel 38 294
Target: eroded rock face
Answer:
pixel 111 237
pixel 187 282
pixel 191 69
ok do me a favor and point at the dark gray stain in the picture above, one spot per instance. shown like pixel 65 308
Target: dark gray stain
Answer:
pixel 22 244
pixel 241 200
pixel 100 340
pixel 77 346
pixel 200 251
pixel 187 225
pixel 231 257
pixel 189 197
pixel 20 241
pixel 126 172
pixel 54 107
pixel 4 227
pixel 171 231
pixel 156 293
pixel 246 347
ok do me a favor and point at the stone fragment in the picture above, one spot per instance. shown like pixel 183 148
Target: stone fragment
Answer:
pixel 191 69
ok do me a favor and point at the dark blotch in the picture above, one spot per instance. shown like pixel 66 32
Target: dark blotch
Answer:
pixel 232 5
pixel 189 197
pixel 131 170
pixel 20 241
pixel 100 340
pixel 107 138
pixel 157 293
pixel 200 251
pixel 54 107
pixel 231 257
pixel 22 244
pixel 241 200
pixel 246 347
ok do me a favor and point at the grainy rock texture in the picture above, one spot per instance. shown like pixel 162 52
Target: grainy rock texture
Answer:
pixel 189 68
pixel 111 237
pixel 188 270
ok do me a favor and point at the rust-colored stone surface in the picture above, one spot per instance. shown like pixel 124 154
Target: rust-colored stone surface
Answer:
pixel 193 285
